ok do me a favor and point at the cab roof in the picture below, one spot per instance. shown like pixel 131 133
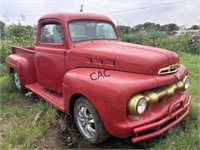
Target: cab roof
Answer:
pixel 68 16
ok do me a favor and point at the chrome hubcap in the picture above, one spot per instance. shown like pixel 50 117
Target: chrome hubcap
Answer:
pixel 17 81
pixel 86 121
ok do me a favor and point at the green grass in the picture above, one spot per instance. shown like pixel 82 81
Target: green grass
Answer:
pixel 183 136
pixel 23 120
pixel 25 125
pixel 192 62
pixel 3 70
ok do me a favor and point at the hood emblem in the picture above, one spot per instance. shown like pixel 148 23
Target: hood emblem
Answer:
pixel 170 69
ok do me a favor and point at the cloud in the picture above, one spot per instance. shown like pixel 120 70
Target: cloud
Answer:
pixel 132 11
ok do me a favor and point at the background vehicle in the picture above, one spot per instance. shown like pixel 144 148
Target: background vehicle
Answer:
pixel 194 43
pixel 196 35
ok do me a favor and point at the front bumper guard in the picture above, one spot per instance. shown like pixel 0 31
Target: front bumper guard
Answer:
pixel 162 125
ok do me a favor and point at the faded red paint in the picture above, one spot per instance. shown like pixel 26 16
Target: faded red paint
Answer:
pixel 120 70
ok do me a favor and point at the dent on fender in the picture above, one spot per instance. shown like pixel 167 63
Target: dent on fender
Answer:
pixel 99 74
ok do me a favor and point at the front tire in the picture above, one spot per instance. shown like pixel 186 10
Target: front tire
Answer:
pixel 88 122
pixel 18 83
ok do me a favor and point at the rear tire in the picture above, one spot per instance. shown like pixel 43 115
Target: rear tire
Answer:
pixel 18 83
pixel 88 122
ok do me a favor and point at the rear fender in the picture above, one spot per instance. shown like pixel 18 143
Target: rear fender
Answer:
pixel 24 65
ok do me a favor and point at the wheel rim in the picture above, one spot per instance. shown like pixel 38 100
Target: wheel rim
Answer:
pixel 85 121
pixel 17 81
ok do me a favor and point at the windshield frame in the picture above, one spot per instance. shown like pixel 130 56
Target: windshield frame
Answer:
pixel 100 21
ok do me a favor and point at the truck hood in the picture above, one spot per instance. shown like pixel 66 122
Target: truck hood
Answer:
pixel 117 55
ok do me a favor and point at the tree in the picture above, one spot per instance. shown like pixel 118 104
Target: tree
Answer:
pixel 2 30
pixel 157 27
pixel 123 29
pixel 164 28
pixel 139 28
pixel 148 26
pixel 195 27
pixel 172 27
pixel 169 27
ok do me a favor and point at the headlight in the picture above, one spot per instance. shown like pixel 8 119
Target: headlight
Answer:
pixel 136 105
pixel 141 106
pixel 186 82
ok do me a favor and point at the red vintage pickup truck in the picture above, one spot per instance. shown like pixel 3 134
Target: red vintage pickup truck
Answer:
pixel 80 66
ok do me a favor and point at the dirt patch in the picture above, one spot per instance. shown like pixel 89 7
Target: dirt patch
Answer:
pixel 64 135
pixel 51 140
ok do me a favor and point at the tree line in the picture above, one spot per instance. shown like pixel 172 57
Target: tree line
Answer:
pixel 150 27
pixel 19 30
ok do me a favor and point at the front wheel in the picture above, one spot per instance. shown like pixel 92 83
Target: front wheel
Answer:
pixel 88 122
pixel 18 83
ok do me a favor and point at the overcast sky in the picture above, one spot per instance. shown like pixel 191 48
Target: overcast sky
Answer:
pixel 122 12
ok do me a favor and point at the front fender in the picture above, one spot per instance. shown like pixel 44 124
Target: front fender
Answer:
pixel 107 90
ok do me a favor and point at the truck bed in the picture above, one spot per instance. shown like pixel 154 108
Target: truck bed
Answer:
pixel 22 50
pixel 27 54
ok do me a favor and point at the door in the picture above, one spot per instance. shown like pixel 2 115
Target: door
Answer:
pixel 50 55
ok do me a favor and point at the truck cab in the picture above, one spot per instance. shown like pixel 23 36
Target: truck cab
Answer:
pixel 57 36
pixel 80 66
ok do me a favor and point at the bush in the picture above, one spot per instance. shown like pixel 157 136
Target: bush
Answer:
pixel 25 37
pixel 174 43
pixel 17 35
pixel 133 38
pixel 4 50
pixel 194 46
pixel 3 70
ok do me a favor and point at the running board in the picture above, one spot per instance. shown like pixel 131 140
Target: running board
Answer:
pixel 52 97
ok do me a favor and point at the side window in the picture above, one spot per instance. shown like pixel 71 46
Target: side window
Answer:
pixel 51 33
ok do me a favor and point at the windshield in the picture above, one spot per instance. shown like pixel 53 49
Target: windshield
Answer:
pixel 91 30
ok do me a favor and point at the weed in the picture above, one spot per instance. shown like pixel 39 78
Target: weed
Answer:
pixel 194 46
pixel 3 70
pixel 8 91
pixel 4 50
